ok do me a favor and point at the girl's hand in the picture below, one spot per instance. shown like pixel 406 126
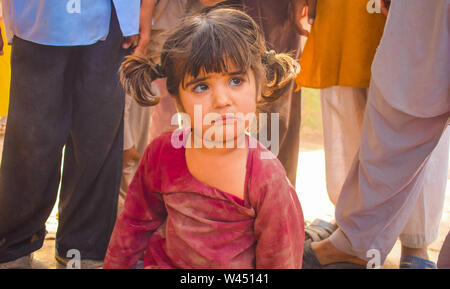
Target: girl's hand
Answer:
pixel 297 11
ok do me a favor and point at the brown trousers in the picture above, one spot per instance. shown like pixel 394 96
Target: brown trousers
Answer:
pixel 273 17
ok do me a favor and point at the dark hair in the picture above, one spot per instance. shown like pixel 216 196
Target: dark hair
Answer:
pixel 209 42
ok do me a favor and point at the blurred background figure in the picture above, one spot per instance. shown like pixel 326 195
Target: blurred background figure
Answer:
pixel 65 92
pixel 278 22
pixel 336 59
pixel 5 75
pixel 444 254
pixel 396 185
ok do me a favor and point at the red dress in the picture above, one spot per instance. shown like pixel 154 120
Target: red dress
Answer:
pixel 176 221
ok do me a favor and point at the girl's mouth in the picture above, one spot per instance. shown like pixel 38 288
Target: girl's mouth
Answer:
pixel 225 119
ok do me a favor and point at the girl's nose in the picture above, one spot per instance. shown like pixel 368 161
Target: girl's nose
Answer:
pixel 221 97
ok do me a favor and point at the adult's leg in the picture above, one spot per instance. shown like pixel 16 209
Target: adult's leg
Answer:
pixel 342 113
pixel 406 115
pixel 38 126
pixel 403 123
pixel 342 117
pixel 273 17
pixel 444 254
pixel 386 180
pixel 136 136
pixel 423 224
pixel 290 139
pixel 94 151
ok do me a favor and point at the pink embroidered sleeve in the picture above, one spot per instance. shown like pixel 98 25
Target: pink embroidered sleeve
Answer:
pixel 143 213
pixel 279 227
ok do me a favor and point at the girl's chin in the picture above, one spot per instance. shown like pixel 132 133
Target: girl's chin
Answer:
pixel 228 139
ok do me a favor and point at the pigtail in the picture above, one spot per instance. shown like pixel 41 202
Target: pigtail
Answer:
pixel 281 70
pixel 136 75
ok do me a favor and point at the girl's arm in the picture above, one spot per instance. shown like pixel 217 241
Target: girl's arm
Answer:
pixel 143 213
pixel 279 227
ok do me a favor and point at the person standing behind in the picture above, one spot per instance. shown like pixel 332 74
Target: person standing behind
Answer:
pixel 65 91
pixel 278 24
pixel 5 76
pixel 444 254
pixel 337 59
pixel 404 138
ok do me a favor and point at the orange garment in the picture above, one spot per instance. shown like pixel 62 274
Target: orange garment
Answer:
pixel 5 74
pixel 341 45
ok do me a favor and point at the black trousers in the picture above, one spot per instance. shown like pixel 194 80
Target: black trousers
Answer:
pixel 62 96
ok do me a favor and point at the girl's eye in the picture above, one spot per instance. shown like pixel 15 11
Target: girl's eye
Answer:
pixel 236 81
pixel 200 88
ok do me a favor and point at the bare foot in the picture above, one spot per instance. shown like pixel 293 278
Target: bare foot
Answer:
pixel 326 254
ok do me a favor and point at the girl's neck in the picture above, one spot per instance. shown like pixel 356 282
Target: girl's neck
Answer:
pixel 213 155
pixel 221 168
pixel 211 149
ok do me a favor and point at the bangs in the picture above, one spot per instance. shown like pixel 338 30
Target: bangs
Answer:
pixel 214 48
pixel 211 43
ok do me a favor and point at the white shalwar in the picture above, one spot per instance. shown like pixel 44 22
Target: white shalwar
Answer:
pixel 342 116
pixel 389 187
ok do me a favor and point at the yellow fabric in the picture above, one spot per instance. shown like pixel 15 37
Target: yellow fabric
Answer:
pixel 341 45
pixel 5 74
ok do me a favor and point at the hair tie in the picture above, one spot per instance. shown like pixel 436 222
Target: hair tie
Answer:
pixel 268 57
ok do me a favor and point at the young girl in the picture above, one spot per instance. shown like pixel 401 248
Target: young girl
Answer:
pixel 220 204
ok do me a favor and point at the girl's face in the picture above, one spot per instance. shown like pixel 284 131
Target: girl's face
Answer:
pixel 226 101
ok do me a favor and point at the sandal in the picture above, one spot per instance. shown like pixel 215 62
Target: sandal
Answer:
pixel 414 262
pixel 319 230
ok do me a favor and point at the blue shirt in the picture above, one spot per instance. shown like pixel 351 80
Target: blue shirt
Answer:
pixel 68 22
